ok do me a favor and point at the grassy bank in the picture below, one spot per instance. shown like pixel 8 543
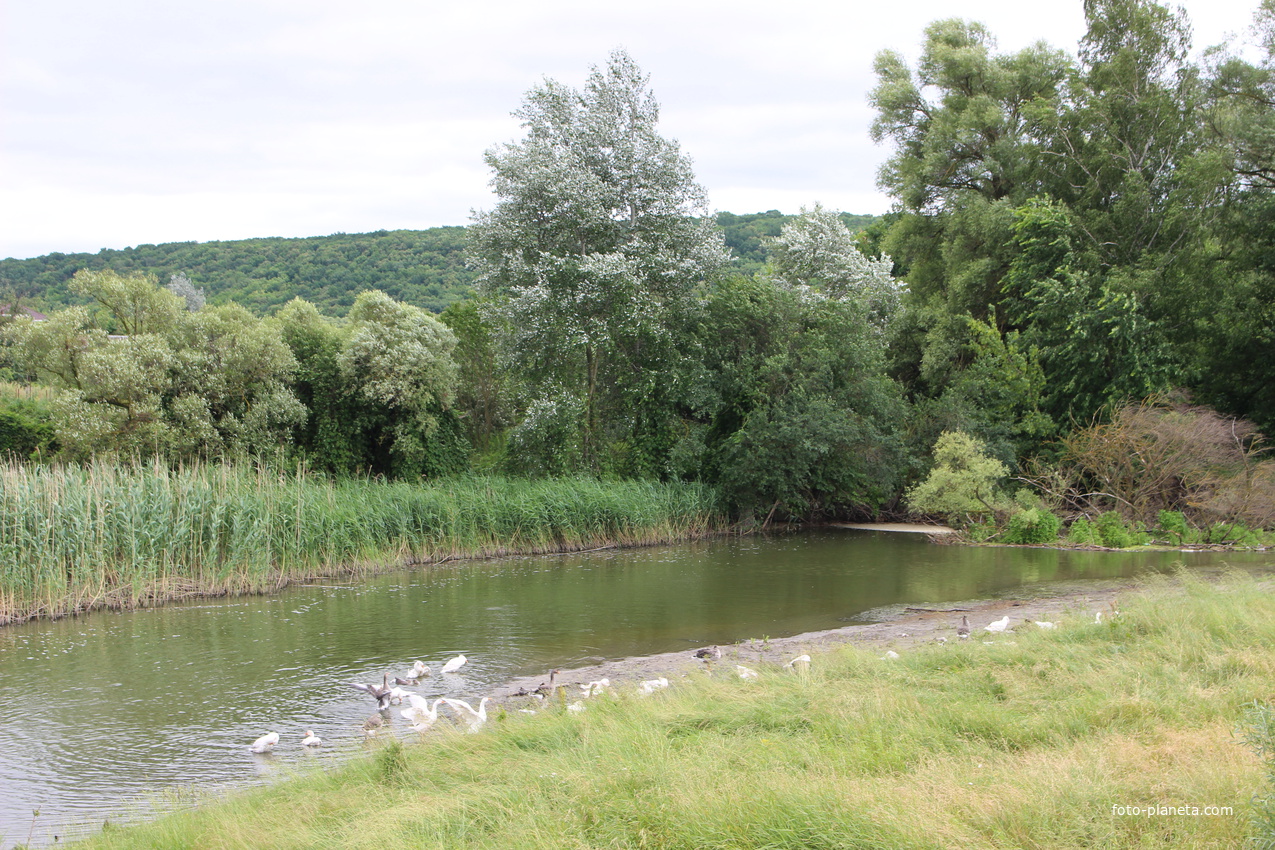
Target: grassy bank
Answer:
pixel 73 538
pixel 1029 742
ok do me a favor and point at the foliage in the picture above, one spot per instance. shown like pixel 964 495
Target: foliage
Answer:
pixel 1082 532
pixel 425 268
pixel 591 260
pixel 1167 455
pixel 1115 533
pixel 1032 526
pixel 963 482
pixel 1257 727
pixel 26 429
pixel 795 411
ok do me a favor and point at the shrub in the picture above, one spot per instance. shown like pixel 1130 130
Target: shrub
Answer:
pixel 1116 534
pixel 1032 526
pixel 1083 532
pixel 1175 528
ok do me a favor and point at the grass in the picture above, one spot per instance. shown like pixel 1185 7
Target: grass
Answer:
pixel 78 537
pixel 1028 743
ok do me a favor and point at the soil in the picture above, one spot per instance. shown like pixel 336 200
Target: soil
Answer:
pixel 897 628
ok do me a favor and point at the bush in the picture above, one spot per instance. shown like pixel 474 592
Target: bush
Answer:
pixel 1082 532
pixel 1173 525
pixel 1032 526
pixel 25 429
pixel 1116 534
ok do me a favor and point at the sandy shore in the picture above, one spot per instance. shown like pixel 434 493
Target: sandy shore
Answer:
pixel 899 628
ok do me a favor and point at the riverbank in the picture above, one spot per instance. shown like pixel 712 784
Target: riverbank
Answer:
pixel 75 539
pixel 1047 738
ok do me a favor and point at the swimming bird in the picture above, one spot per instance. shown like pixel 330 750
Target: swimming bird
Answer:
pixel 963 630
pixel 998 625
pixel 405 682
pixel 421 713
pixel 265 743
pixel 419 670
pixel 455 664
pixel 376 721
pixel 311 739
pixel 650 686
pixel 711 653
pixel 745 672
pixel 382 693
pixel 475 718
pixel 397 695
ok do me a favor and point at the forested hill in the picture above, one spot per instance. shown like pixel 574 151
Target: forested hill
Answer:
pixel 421 267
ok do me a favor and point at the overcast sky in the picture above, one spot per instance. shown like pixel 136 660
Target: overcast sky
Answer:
pixel 133 121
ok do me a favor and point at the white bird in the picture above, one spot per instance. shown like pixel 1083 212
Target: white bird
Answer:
pixel 455 664
pixel 592 689
pixel 418 670
pixel 998 625
pixel 475 718
pixel 963 630
pixel 576 707
pixel 1044 624
pixel 890 653
pixel 1097 618
pixel 801 662
pixel 311 739
pixel 420 712
pixel 265 743
pixel 397 695
pixel 650 686
pixel 745 672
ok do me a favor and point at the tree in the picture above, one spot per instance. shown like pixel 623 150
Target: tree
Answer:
pixel 963 481
pixel 817 251
pixel 591 259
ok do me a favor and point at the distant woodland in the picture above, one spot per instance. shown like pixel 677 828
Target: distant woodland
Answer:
pixel 425 268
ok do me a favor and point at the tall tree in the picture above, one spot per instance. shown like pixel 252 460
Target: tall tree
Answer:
pixel 591 259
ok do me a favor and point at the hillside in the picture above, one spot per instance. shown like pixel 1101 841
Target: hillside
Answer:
pixel 421 267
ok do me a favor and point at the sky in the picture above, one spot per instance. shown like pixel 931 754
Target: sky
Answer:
pixel 132 122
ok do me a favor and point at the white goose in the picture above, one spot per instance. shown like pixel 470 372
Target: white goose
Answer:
pixel 311 739
pixel 420 712
pixel 650 686
pixel 265 743
pixel 455 664
pixel 998 625
pixel 475 718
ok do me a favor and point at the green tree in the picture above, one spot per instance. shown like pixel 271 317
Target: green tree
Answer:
pixel 591 260
pixel 963 483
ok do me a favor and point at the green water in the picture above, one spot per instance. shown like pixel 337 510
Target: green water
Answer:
pixel 115 715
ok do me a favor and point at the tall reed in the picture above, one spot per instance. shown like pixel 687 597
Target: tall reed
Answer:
pixel 78 537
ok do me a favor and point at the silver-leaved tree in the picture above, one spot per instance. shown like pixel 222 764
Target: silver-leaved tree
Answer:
pixel 590 264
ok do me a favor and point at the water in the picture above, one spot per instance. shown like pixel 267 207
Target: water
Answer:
pixel 115 715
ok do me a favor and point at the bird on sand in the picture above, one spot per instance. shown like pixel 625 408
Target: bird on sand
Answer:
pixel 311 739
pixel 650 686
pixel 381 693
pixel 963 630
pixel 709 653
pixel 745 672
pixel 592 689
pixel 455 664
pixel 265 743
pixel 545 689
pixel 801 662
pixel 998 625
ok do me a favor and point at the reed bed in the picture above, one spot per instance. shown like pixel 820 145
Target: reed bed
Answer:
pixel 1045 739
pixel 79 537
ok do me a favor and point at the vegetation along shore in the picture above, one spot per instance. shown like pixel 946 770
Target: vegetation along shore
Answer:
pixel 1040 737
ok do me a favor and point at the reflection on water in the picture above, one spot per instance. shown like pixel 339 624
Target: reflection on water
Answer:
pixel 108 715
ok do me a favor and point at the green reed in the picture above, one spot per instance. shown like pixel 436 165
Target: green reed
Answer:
pixel 78 537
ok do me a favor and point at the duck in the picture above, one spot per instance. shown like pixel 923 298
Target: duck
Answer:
pixel 420 712
pixel 265 743
pixel 998 625
pixel 311 740
pixel 963 630
pixel 474 717
pixel 381 693
pixel 455 664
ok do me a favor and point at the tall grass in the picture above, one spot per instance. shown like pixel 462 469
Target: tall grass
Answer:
pixel 76 537
pixel 1047 739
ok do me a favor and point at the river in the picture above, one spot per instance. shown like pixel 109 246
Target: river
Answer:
pixel 113 716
